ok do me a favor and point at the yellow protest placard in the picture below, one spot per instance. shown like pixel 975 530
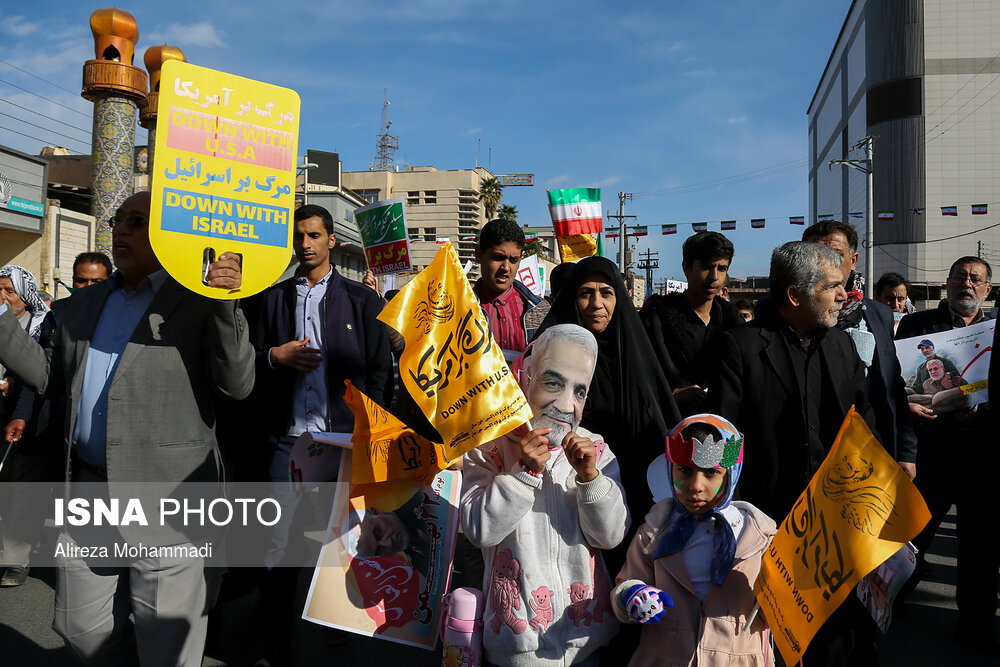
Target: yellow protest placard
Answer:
pixel 385 449
pixel 224 176
pixel 857 511
pixel 451 365
pixel 572 248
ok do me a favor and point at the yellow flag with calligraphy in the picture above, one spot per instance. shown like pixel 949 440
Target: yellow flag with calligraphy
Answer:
pixel 385 449
pixel 858 510
pixel 572 248
pixel 451 366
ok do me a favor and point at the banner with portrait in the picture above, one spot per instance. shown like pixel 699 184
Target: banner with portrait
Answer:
pixel 386 561
pixel 947 370
pixel 858 510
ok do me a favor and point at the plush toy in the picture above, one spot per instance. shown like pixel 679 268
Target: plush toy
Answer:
pixel 646 604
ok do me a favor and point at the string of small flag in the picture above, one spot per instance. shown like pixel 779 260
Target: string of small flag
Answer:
pixel 759 223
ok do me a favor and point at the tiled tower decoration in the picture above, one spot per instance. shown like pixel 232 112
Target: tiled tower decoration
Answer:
pixel 154 58
pixel 116 88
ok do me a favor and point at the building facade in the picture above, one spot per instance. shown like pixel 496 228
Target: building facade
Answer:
pixel 923 78
pixel 440 204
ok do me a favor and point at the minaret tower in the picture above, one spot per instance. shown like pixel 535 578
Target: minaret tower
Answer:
pixel 116 88
pixel 154 58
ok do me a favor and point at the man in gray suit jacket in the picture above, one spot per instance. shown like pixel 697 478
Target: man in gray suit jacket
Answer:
pixel 141 360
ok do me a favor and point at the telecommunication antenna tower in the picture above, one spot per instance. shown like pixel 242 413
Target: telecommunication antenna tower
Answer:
pixel 385 144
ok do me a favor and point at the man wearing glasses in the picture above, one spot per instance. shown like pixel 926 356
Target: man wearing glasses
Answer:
pixel 939 437
pixel 143 361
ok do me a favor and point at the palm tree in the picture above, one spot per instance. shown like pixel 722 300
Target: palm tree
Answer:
pixel 508 212
pixel 490 194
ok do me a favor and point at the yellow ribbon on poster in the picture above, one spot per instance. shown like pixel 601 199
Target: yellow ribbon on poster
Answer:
pixel 385 449
pixel 572 248
pixel 451 366
pixel 858 510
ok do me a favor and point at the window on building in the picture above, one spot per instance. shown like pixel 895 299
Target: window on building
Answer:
pixel 430 196
pixel 430 233
pixel 370 196
pixel 414 233
pixel 413 197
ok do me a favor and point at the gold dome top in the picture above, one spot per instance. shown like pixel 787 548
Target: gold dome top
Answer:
pixel 115 35
pixel 155 57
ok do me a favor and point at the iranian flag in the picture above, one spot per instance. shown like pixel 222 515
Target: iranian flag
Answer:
pixel 443 239
pixel 728 225
pixel 979 209
pixel 757 223
pixel 949 210
pixel 669 229
pixel 611 233
pixel 917 211
pixel 639 231
pixel 797 220
pixel 576 211
pixel 699 226
pixel 467 237
pixel 528 238
pixel 886 215
pixel 826 217
pixel 860 214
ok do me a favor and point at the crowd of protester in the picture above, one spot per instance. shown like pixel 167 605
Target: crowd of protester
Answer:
pixel 563 531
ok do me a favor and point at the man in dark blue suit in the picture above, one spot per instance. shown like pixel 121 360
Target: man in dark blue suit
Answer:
pixel 869 324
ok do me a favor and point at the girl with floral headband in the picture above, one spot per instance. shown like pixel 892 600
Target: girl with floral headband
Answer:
pixel 696 557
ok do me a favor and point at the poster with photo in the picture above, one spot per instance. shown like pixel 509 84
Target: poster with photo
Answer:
pixel 386 561
pixel 947 370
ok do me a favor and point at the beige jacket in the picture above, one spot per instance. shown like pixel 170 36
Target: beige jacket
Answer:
pixel 695 632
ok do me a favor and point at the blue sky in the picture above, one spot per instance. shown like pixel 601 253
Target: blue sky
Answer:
pixel 666 100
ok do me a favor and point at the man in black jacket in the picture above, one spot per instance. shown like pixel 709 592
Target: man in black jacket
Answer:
pixel 685 328
pixel 870 326
pixel 788 380
pixel 940 437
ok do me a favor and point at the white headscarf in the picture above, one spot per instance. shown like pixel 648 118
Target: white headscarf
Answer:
pixel 26 288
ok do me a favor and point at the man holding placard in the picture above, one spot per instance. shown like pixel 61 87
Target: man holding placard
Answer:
pixel 123 346
pixel 937 436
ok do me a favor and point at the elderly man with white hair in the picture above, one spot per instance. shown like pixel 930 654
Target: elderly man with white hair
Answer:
pixel 542 503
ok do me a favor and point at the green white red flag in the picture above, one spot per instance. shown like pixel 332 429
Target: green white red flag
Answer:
pixel 699 226
pixel 639 231
pixel 797 220
pixel 728 225
pixel 757 223
pixel 669 229
pixel 576 211
pixel 979 209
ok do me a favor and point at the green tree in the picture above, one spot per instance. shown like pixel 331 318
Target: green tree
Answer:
pixel 508 212
pixel 533 248
pixel 490 194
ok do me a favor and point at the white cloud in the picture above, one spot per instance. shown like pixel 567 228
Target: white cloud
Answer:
pixel 603 183
pixel 700 72
pixel 559 180
pixel 193 34
pixel 17 26
pixel 736 119
pixel 472 131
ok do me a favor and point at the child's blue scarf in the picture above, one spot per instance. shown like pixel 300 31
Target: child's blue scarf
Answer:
pixel 682 525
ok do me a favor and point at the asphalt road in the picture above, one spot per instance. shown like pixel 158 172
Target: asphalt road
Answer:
pixel 923 636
